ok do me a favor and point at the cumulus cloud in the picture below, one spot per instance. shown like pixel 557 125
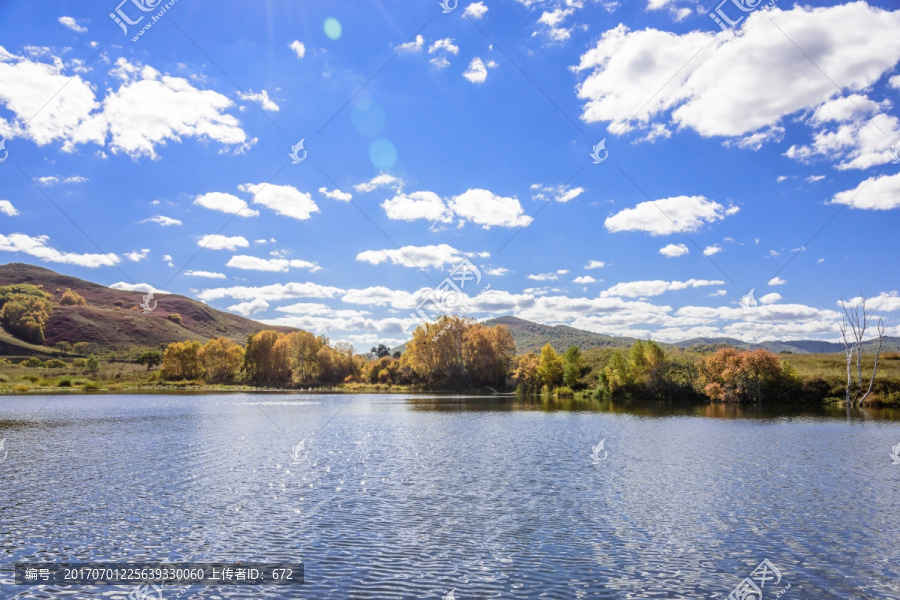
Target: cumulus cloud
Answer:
pixel 712 250
pixel 379 181
pixel 299 49
pixel 874 193
pixel 221 242
pixel 475 10
pixel 281 265
pixel 560 193
pixel 635 289
pixel 679 214
pixel 336 194
pixel 413 45
pixel 137 255
pixel 319 309
pixel 673 250
pixel 72 24
pixel 731 86
pixel 584 279
pixel 777 281
pixel 271 293
pixel 551 22
pixel 413 256
pixel 771 298
pixel 595 264
pixel 38 247
pixel 886 301
pixel 206 274
pixel 417 205
pixel 283 199
pixel 260 98
pixel 249 308
pixel 162 220
pixel 8 209
pixel 478 70
pixel 137 287
pixel 226 203
pixel 487 209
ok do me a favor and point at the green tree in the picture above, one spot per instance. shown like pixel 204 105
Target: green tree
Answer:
pixel 380 350
pixel 151 358
pixel 551 367
pixel 92 364
pixel 573 363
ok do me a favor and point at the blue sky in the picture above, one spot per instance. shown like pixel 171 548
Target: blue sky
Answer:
pixel 759 157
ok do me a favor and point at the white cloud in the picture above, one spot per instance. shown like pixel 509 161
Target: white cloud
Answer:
pixel 413 256
pixel 497 272
pixel 673 250
pixel 679 214
pixel 477 72
pixel 595 264
pixel 226 203
pixel 716 294
pixel 53 180
pixel 298 48
pixel 71 24
pixel 475 10
pixel 635 289
pixel 414 45
pixel 221 242
pixel 253 263
pixel 206 274
pixel 249 308
pixel 319 309
pixel 417 205
pixel 875 193
pixel 771 298
pixel 379 181
pixel 336 194
pixel 544 277
pixel 137 256
pixel 272 293
pixel 440 62
pixel 726 85
pixel 162 220
pixel 137 287
pixel 560 193
pixel 886 301
pixel 261 98
pixel 712 250
pixel 283 199
pixel 584 279
pixel 37 246
pixel 777 281
pixel 8 209
pixel 487 209
pixel 815 178
pixel 444 45
pixel 551 20
pixel 848 136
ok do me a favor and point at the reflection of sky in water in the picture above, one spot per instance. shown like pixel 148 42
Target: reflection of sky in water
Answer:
pixel 395 498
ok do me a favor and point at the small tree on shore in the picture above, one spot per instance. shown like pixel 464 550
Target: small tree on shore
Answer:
pixel 857 317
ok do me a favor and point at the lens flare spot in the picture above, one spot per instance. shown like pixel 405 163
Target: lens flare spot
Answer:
pixel 333 28
pixel 382 153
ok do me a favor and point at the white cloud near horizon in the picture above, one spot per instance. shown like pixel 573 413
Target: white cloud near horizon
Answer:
pixel 38 247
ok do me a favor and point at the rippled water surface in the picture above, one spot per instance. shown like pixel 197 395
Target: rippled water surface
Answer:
pixel 414 497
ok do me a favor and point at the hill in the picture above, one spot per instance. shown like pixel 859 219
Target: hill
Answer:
pixel 113 320
pixel 530 336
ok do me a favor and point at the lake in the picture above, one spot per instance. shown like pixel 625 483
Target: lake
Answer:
pixel 411 496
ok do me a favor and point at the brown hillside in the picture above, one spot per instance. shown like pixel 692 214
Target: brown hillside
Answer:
pixel 125 326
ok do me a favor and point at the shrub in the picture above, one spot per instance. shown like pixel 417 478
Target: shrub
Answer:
pixel 92 385
pixel 119 303
pixel 25 310
pixel 21 388
pixel 55 363
pixel 84 348
pixel 32 362
pixel 70 298
pixel 92 365
pixel 80 363
pixel 31 378
pixel 564 392
pixel 64 382
pixel 175 318
pixel 732 375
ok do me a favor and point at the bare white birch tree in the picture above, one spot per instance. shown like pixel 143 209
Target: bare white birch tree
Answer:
pixel 853 331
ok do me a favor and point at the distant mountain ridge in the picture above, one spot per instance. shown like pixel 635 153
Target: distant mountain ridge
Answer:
pixel 112 318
